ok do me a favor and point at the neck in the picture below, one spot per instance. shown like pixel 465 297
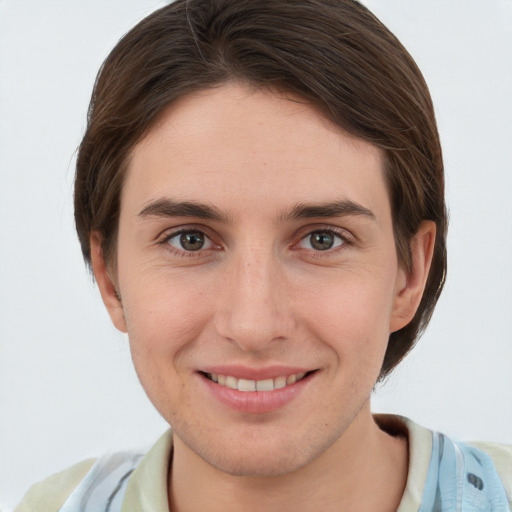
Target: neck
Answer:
pixel 365 469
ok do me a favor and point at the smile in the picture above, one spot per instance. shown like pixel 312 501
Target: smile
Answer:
pixel 248 385
pixel 257 391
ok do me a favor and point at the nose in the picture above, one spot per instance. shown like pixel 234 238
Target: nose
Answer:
pixel 253 309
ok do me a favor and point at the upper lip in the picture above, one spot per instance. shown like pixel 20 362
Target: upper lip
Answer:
pixel 251 373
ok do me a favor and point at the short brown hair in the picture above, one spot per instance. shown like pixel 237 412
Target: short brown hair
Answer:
pixel 333 53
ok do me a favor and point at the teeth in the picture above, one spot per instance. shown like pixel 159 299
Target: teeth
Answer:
pixel 255 385
pixel 246 385
pixel 231 382
pixel 265 385
pixel 279 382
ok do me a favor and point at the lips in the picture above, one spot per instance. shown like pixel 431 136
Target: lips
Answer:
pixel 256 391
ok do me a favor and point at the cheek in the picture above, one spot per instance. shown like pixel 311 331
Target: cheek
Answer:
pixel 163 324
pixel 162 315
pixel 352 315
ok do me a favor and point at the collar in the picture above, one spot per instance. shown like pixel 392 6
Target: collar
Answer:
pixel 147 487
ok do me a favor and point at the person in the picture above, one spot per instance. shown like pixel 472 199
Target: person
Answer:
pixel 260 196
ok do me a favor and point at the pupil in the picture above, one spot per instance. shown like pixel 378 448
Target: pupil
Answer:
pixel 192 241
pixel 322 241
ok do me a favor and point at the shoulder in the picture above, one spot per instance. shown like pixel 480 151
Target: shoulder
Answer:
pixel 481 472
pixel 127 480
pixel 501 455
pixel 50 494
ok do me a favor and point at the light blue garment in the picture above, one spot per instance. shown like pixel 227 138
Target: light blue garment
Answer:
pixel 103 488
pixel 461 478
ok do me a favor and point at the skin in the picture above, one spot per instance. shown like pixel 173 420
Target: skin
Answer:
pixel 257 294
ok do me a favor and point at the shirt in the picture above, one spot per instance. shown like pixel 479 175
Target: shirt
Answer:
pixel 146 487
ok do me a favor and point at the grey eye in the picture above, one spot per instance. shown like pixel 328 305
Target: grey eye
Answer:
pixel 321 241
pixel 190 241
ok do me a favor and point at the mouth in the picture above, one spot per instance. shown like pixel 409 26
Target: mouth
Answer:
pixel 257 391
pixel 248 385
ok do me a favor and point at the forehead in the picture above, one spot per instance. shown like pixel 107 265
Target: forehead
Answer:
pixel 238 142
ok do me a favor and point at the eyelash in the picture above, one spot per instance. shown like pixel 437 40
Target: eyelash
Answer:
pixel 167 237
pixel 339 236
pixel 342 236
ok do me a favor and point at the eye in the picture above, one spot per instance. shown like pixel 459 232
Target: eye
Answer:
pixel 321 240
pixel 190 241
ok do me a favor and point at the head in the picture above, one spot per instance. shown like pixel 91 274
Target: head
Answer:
pixel 334 55
pixel 258 192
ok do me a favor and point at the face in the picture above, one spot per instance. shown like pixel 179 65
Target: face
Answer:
pixel 258 278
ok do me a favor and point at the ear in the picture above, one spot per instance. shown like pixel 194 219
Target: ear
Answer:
pixel 108 289
pixel 411 283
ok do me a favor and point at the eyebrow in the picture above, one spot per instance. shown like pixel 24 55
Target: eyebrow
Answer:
pixel 170 208
pixel 341 208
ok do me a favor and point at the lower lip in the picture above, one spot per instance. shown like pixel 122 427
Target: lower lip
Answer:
pixel 256 402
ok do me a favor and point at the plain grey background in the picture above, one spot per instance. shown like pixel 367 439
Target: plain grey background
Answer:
pixel 67 387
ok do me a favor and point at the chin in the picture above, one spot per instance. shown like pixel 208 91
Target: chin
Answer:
pixel 263 465
pixel 262 454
